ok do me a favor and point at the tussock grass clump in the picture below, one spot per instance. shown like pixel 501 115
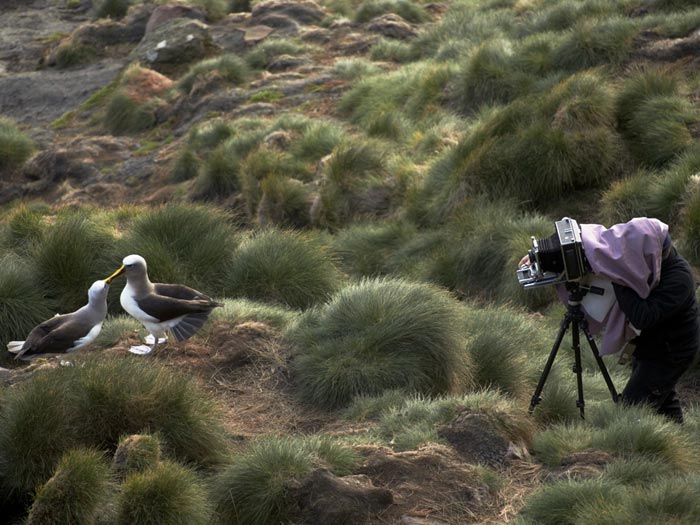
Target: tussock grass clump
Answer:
pixel 116 328
pixel 407 10
pixel 638 471
pixel 71 256
pixel 75 491
pixel 534 150
pixel 593 42
pixel 365 250
pixel 285 202
pixel 354 68
pixel 355 184
pixel 239 310
pixel 653 117
pixel 136 453
pixel 102 400
pixel 252 490
pixel 265 52
pixel 124 115
pixel 414 421
pixel 24 226
pixel 496 342
pixel 552 444
pixel 220 175
pixel 182 243
pixel 394 51
pixel 72 53
pixel 168 493
pixel 318 139
pixel 563 503
pixel 186 166
pixel 627 198
pixel 378 335
pixel 284 267
pixel 414 91
pixel 496 231
pixel 229 67
pixel 658 130
pixel 111 8
pixel 22 302
pixel 636 431
pixel 690 224
pixel 274 166
pixel 490 76
pixel 15 146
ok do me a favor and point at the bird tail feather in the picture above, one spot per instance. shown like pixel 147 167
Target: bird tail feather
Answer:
pixel 15 347
pixel 189 325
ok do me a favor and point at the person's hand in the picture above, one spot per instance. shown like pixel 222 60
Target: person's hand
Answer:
pixel 524 261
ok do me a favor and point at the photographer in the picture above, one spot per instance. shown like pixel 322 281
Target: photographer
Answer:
pixel 650 303
pixel 669 338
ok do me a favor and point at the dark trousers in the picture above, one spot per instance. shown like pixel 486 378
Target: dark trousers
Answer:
pixel 653 381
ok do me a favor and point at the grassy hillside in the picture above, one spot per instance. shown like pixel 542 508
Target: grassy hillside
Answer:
pixel 356 182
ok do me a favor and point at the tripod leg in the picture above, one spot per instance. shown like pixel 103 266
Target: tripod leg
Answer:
pixel 543 378
pixel 601 363
pixel 578 369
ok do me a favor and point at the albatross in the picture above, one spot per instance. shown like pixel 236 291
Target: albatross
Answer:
pixel 161 308
pixel 67 332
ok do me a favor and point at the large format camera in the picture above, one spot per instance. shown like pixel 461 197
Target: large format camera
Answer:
pixel 556 259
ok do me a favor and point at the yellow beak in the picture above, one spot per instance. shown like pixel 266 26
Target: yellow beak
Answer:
pixel 115 274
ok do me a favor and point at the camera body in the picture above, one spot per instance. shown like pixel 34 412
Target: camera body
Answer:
pixel 556 259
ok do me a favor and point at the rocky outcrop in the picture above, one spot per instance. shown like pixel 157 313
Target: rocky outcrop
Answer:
pixel 173 44
pixel 167 12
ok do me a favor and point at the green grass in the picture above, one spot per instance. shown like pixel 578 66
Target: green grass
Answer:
pixel 414 420
pixel 355 185
pixel 658 131
pixel 489 76
pixel 124 115
pixel 111 8
pixel 591 43
pixel 266 51
pixel 185 167
pixel 102 400
pixel 182 244
pixel 496 341
pixel 136 453
pixel 73 53
pixel 281 267
pixel 374 336
pixel 229 67
pixel 407 10
pixel 365 250
pixel 75 491
pixel 563 503
pixel 15 146
pixel 252 491
pixel 168 493
pixel 241 310
pixel 285 202
pixel 73 253
pixel 22 302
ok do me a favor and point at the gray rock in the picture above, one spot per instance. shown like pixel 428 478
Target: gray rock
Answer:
pixel 167 12
pixel 176 42
pixel 305 12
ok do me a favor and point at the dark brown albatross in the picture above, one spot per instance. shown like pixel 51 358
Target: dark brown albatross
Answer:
pixel 161 308
pixel 67 332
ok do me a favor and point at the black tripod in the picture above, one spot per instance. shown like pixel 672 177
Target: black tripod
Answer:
pixel 575 317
